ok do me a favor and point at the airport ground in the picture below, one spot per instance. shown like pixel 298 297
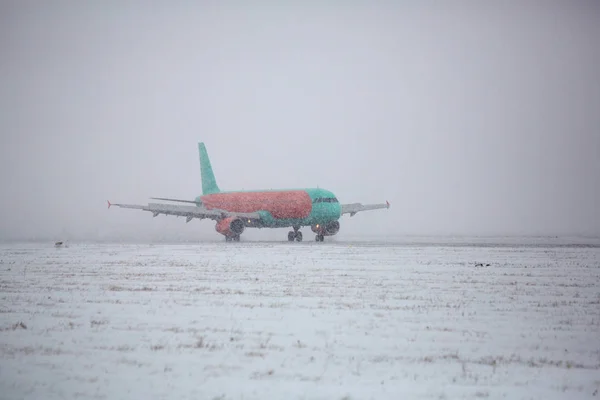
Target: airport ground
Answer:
pixel 338 320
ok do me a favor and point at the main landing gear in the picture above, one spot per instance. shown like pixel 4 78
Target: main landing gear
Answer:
pixel 235 238
pixel 319 238
pixel 295 234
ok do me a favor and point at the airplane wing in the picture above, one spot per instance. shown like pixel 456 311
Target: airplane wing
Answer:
pixel 190 212
pixel 353 208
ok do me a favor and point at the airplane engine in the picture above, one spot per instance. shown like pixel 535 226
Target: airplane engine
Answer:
pixel 328 229
pixel 230 227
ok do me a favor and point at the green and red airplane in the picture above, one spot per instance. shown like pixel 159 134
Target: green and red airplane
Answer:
pixel 236 211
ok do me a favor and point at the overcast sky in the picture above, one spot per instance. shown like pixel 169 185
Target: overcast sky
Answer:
pixel 470 118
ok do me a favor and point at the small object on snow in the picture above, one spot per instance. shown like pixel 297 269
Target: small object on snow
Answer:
pixel 19 325
pixel 482 265
pixel 60 244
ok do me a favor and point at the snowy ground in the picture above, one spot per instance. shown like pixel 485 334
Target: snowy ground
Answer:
pixel 303 320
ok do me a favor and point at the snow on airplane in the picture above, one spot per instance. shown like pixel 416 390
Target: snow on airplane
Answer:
pixel 236 211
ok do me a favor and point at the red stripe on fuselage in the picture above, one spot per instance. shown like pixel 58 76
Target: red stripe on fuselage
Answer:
pixel 282 205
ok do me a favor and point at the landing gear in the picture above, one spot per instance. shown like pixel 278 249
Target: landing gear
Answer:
pixel 319 238
pixel 235 238
pixel 295 235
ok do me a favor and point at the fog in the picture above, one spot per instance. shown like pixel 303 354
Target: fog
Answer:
pixel 471 118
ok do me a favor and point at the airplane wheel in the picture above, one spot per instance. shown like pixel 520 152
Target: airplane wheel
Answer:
pixel 291 236
pixel 299 236
pixel 236 238
pixel 227 239
pixel 319 238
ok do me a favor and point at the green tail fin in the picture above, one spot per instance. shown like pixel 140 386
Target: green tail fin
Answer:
pixel 209 184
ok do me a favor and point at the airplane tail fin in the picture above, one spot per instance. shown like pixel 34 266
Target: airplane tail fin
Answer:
pixel 209 184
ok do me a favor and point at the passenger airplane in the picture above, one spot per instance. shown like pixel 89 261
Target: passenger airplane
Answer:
pixel 236 211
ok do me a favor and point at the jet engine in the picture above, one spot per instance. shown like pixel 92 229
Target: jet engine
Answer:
pixel 328 229
pixel 230 227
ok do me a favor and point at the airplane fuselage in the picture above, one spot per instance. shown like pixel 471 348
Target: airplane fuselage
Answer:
pixel 278 208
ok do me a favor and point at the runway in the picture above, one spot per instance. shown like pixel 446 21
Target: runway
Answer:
pixel 266 320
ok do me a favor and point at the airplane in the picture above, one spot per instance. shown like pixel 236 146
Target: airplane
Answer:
pixel 234 211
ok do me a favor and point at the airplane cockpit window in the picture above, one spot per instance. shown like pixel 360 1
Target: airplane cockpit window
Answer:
pixel 325 200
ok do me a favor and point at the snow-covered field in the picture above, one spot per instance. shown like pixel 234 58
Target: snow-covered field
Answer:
pixel 302 320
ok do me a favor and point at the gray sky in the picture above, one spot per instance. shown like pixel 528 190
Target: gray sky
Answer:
pixel 470 118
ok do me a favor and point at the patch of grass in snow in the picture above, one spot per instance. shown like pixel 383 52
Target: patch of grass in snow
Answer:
pixel 122 348
pixel 174 330
pixel 200 344
pixel 129 362
pixel 495 361
pixel 257 374
pixel 14 327
pixel 115 288
pixel 255 354
pixel 95 322
pixel 30 350
pixel 63 315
